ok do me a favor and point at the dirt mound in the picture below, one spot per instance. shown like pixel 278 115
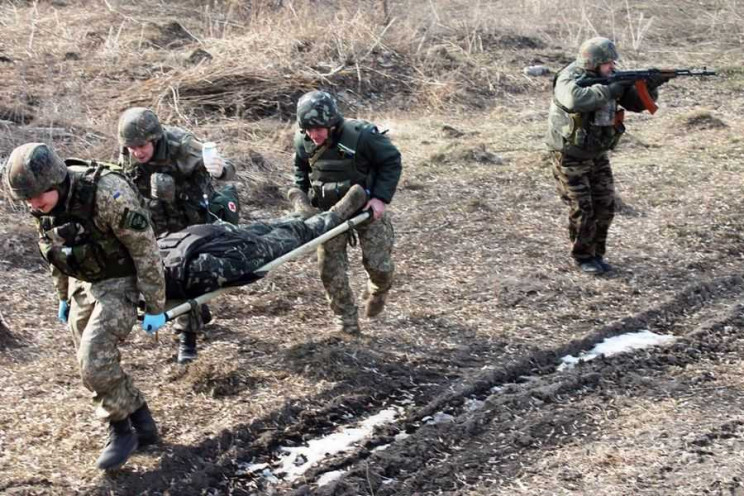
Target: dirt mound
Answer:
pixel 468 153
pixel 226 90
pixel 702 120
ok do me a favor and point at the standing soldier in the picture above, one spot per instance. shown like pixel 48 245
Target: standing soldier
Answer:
pixel 166 165
pixel 96 236
pixel 584 124
pixel 331 155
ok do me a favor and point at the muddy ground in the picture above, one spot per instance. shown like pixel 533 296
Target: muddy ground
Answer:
pixel 486 302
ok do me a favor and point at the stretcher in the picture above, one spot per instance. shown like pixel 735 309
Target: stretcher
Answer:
pixel 194 303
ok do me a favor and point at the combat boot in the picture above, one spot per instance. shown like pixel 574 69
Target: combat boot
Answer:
pixel 590 266
pixel 186 347
pixel 122 441
pixel 352 202
pixel 348 324
pixel 604 265
pixel 144 425
pixel 375 304
pixel 301 203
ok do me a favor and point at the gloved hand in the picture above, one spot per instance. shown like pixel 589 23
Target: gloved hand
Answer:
pixel 63 313
pixel 152 323
pixel 617 89
pixel 215 167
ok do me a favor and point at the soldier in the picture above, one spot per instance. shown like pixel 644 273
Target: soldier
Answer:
pixel 97 238
pixel 331 155
pixel 583 126
pixel 166 165
pixel 206 257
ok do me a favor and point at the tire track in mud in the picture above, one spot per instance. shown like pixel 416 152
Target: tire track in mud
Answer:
pixel 533 409
pixel 530 413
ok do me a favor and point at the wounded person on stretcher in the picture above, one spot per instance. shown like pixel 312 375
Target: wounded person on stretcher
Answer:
pixel 206 257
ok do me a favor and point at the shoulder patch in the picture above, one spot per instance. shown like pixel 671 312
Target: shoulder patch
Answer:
pixel 134 220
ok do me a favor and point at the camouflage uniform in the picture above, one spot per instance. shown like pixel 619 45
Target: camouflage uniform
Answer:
pixel 204 258
pixel 103 255
pixel 583 126
pixel 178 155
pixel 355 153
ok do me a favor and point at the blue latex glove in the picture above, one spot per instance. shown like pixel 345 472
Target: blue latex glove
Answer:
pixel 64 311
pixel 152 323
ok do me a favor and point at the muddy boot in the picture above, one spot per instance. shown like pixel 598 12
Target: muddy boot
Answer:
pixel 187 347
pixel 301 203
pixel 375 304
pixel 121 443
pixel 352 202
pixel 348 324
pixel 144 425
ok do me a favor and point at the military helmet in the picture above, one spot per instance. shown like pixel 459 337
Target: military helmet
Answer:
pixel 596 51
pixel 137 126
pixel 317 109
pixel 32 169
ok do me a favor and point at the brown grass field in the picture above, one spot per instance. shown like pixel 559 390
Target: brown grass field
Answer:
pixel 486 299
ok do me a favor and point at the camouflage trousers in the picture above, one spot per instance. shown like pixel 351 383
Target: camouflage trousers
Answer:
pixel 376 240
pixel 102 315
pixel 587 187
pixel 191 321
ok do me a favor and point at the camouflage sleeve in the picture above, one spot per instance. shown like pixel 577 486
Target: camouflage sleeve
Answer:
pixel 61 283
pixel 386 164
pixel 577 99
pixel 190 159
pixel 119 211
pixel 301 164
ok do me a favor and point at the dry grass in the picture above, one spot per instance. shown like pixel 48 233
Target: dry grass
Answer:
pixel 483 273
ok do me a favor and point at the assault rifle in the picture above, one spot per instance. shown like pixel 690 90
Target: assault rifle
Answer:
pixel 640 78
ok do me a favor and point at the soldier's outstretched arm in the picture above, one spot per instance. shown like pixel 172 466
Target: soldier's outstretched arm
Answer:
pixel 578 99
pixel 119 209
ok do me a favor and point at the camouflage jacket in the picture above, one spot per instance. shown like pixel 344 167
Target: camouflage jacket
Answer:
pixel 571 129
pixel 178 154
pixel 118 213
pixel 375 157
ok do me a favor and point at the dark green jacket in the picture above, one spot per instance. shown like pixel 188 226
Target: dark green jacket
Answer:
pixel 375 156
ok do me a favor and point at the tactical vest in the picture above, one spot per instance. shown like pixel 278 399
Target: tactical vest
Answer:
pixel 72 242
pixel 579 135
pixel 336 168
pixel 190 206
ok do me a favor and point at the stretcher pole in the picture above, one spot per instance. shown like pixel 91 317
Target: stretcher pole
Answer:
pixel 265 269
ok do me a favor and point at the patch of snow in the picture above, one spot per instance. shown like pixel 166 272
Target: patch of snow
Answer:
pixel 301 458
pixel 472 404
pixel 618 344
pixel 329 477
